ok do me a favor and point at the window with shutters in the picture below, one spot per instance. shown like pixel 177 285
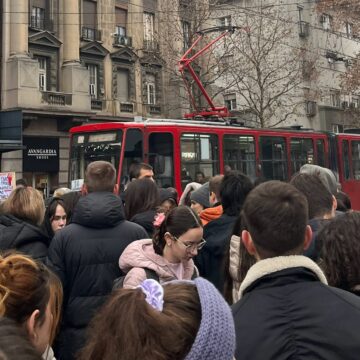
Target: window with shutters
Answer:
pixel 43 72
pixel 89 29
pixel 93 83
pixel 149 27
pixel 150 89
pixel 123 85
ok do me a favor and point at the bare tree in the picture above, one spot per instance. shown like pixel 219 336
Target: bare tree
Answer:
pixel 265 68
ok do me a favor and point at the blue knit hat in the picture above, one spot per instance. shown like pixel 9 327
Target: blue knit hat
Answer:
pixel 215 339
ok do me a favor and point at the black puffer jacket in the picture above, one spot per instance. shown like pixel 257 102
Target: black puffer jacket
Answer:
pixel 22 236
pixel 85 255
pixel 289 313
pixel 210 260
pixel 145 219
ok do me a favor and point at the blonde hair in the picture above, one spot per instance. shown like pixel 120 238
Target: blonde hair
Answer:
pixel 26 203
pixel 26 285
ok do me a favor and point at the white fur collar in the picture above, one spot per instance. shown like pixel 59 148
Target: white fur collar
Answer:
pixel 271 265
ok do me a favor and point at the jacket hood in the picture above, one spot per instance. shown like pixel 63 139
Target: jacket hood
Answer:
pixel 141 254
pixel 15 233
pixel 98 210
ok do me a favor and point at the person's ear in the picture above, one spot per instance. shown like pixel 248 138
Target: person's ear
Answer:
pixel 84 189
pixel 116 189
pixel 248 242
pixel 334 205
pixel 31 326
pixel 308 237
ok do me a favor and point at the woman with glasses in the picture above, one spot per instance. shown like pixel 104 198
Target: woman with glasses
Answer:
pixel 169 254
pixel 55 217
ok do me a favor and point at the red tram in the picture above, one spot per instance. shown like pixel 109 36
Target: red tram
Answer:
pixel 177 149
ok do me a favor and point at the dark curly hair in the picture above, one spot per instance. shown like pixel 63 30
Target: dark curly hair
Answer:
pixel 177 222
pixel 340 251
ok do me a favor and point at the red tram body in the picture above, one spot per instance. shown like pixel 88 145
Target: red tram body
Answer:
pixel 177 149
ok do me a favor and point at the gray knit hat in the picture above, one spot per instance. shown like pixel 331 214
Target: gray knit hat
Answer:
pixel 201 195
pixel 326 176
pixel 215 339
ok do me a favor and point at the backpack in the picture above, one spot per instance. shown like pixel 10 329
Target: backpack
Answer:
pixel 150 274
pixel 119 282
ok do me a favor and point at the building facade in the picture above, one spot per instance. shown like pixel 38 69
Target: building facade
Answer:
pixel 309 55
pixel 68 62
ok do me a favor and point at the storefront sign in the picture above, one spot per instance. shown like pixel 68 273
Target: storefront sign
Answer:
pixel 41 154
pixel 7 184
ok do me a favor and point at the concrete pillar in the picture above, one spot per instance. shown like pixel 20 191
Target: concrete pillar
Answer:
pixel 19 23
pixel 71 41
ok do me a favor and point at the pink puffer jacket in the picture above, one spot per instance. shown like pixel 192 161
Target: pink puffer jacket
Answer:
pixel 140 254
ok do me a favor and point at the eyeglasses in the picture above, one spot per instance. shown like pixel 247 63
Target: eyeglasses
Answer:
pixel 191 247
pixel 58 218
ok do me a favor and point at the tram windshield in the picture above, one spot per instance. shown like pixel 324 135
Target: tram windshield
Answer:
pixel 94 146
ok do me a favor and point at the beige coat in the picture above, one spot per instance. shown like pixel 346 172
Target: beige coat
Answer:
pixel 234 266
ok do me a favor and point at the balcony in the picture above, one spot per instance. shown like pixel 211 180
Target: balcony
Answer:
pixel 127 107
pixel 151 45
pixel 39 23
pixel 56 99
pixel 90 34
pixel 304 29
pixel 122 40
pixel 154 109
pixel 96 104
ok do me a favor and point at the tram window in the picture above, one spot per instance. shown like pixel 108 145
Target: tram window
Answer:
pixel 161 158
pixel 199 152
pixel 239 153
pixel 133 152
pixel 320 146
pixel 273 158
pixel 301 152
pixel 355 152
pixel 346 162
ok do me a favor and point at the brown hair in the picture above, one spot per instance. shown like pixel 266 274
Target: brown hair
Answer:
pixel 25 286
pixel 320 200
pixel 276 215
pixel 215 185
pixel 128 328
pixel 26 203
pixel 340 250
pixel 100 176
pixel 177 222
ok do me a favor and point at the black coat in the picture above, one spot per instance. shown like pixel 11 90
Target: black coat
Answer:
pixel 22 236
pixel 85 255
pixel 210 260
pixel 290 314
pixel 145 219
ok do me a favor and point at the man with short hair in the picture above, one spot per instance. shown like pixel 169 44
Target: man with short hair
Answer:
pixel 215 210
pixel 321 206
pixel 85 254
pixel 286 310
pixel 140 171
pixel 217 233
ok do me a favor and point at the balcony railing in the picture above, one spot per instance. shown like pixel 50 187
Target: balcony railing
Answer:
pixel 304 29
pixel 154 109
pixel 90 34
pixel 96 104
pixel 127 107
pixel 56 99
pixel 122 40
pixel 151 45
pixel 40 23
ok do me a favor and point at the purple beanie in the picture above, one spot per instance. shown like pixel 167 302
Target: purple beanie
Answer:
pixel 215 339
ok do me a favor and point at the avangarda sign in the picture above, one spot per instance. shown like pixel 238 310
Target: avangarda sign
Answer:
pixel 41 154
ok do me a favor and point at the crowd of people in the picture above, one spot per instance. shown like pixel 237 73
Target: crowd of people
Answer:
pixel 231 270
